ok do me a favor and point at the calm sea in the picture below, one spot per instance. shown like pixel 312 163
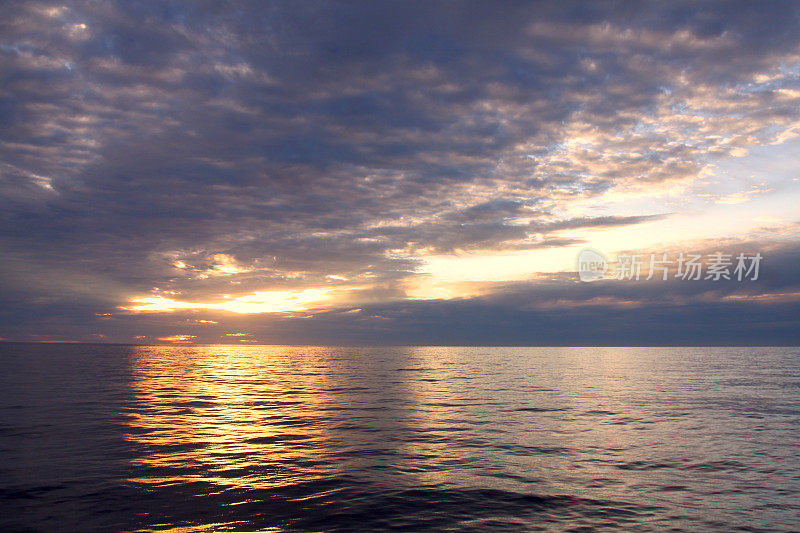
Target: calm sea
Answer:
pixel 217 438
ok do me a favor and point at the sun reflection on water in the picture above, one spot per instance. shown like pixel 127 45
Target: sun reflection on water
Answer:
pixel 225 415
pixel 232 437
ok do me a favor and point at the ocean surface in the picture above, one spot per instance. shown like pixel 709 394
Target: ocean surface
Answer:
pixel 218 438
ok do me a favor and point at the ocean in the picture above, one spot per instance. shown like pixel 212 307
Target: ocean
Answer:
pixel 289 438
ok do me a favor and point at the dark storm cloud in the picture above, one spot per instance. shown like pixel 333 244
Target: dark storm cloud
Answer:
pixel 305 140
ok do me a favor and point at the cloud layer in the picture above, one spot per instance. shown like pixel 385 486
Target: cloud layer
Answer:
pixel 210 151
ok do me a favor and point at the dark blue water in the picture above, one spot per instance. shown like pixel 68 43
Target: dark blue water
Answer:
pixel 113 438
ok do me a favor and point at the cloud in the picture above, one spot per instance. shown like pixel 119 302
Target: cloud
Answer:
pixel 191 155
pixel 742 196
pixel 594 222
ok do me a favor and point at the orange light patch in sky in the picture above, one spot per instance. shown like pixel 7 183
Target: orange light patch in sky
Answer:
pixel 178 338
pixel 258 302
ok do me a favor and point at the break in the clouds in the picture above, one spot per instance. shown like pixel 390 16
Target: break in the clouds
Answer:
pixel 393 172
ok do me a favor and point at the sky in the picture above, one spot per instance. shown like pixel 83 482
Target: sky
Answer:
pixel 398 172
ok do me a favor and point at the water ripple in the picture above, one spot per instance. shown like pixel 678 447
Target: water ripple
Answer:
pixel 114 438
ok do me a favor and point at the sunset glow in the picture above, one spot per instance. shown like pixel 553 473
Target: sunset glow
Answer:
pixel 259 302
pixel 204 172
pixel 378 265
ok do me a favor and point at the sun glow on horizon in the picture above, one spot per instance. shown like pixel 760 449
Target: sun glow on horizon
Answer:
pixel 257 302
pixel 178 338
